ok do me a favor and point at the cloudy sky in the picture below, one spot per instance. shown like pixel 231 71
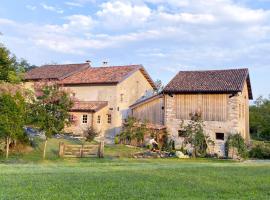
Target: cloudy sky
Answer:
pixel 164 35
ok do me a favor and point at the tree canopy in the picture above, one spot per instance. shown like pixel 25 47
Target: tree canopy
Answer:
pixel 11 68
pixel 260 119
pixel 49 111
pixel 12 116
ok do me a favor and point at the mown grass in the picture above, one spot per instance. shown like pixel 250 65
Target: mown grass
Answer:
pixel 119 177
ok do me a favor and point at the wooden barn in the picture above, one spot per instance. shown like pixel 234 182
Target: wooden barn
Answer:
pixel 221 96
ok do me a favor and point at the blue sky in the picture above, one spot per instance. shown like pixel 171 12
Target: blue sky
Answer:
pixel 164 35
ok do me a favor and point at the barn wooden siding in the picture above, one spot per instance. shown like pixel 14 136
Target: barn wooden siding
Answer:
pixel 152 111
pixel 214 107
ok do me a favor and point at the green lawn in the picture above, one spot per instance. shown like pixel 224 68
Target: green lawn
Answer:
pixel 118 177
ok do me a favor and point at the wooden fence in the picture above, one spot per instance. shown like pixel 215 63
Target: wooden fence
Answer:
pixel 81 151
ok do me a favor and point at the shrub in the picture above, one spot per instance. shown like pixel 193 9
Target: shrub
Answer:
pixel 90 134
pixel 194 135
pixel 168 146
pixel 260 151
pixel 116 140
pixel 236 141
pixel 133 129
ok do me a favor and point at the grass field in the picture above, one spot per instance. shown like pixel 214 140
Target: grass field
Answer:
pixel 118 177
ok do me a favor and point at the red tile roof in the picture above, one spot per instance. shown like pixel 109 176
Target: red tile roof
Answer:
pixel 88 106
pixel 55 72
pixel 212 81
pixel 105 75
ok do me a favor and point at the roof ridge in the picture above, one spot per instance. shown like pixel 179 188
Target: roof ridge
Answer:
pixel 133 65
pixel 214 70
pixel 63 64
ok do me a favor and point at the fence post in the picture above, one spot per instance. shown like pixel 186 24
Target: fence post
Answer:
pixel 61 149
pixel 81 151
pixel 101 149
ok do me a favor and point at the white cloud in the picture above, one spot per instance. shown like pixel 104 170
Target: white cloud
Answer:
pixel 191 33
pixel 52 8
pixel 30 7
pixel 118 14
pixel 4 21
pixel 186 18
pixel 74 4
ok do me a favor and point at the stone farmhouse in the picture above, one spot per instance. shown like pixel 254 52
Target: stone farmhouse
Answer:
pixel 221 96
pixel 103 94
pixel 106 96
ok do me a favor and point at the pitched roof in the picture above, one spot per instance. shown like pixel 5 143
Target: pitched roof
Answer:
pixel 56 72
pixel 146 100
pixel 212 81
pixel 88 106
pixel 106 75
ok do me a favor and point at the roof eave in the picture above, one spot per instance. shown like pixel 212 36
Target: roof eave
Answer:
pixel 200 92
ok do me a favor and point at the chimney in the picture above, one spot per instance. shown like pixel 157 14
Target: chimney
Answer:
pixel 105 63
pixel 89 62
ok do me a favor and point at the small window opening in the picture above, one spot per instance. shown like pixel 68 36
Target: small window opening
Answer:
pixel 182 133
pixel 109 119
pixel 219 136
pixel 98 119
pixel 84 120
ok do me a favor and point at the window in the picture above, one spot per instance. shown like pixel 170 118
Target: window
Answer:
pixel 121 97
pixel 84 119
pixel 219 136
pixel 109 119
pixel 182 133
pixel 98 119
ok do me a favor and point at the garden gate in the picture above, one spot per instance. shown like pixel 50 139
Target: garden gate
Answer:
pixel 81 151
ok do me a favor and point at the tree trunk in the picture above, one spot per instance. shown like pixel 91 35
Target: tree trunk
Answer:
pixel 194 154
pixel 44 149
pixel 7 147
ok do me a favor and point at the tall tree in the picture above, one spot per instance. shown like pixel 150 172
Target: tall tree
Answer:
pixel 6 64
pixel 12 117
pixel 260 119
pixel 50 110
pixel 11 68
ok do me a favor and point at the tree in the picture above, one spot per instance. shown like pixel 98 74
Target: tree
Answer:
pixel 90 134
pixel 194 136
pixel 11 68
pixel 50 110
pixel 12 117
pixel 236 141
pixel 6 64
pixel 260 119
pixel 159 86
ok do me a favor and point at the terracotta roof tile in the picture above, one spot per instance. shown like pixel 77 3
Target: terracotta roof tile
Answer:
pixel 113 74
pixel 57 72
pixel 90 106
pixel 105 75
pixel 212 81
